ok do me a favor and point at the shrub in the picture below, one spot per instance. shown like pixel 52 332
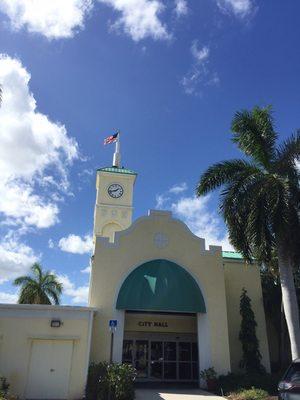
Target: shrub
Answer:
pixel 114 381
pixel 96 375
pixel 237 382
pixel 249 394
pixel 120 379
pixel 4 386
pixel 251 361
pixel 208 373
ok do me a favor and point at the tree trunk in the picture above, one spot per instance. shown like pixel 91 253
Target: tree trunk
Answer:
pixel 285 352
pixel 290 303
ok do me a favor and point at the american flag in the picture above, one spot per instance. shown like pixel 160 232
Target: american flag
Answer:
pixel 111 139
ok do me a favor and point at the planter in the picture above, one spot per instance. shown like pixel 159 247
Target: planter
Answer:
pixel 211 385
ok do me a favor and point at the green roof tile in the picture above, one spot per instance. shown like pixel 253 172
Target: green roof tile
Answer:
pixel 117 170
pixel 232 254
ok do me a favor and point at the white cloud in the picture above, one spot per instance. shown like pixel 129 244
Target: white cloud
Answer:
pixel 163 198
pixel 58 19
pixel 52 18
pixel 178 188
pixel 75 244
pixel 34 153
pixel 139 18
pixel 18 201
pixel 240 8
pixel 8 298
pixel 196 214
pixel 86 270
pixel 181 8
pixel 78 294
pixel 202 222
pixel 200 54
pixel 15 258
pixel 199 73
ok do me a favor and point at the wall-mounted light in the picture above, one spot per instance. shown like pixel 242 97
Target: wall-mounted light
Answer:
pixel 55 323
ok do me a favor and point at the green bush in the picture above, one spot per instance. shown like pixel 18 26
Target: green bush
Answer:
pixel 120 379
pixel 110 381
pixel 249 394
pixel 94 384
pixel 4 386
pixel 237 382
pixel 208 373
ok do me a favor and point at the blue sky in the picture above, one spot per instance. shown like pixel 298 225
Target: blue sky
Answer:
pixel 168 74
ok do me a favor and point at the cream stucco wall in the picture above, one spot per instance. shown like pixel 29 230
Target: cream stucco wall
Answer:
pixel 238 274
pixel 112 262
pixel 20 325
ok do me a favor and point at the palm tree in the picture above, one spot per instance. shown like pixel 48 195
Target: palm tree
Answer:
pixel 260 200
pixel 39 288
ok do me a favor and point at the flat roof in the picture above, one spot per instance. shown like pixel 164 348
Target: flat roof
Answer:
pixel 47 307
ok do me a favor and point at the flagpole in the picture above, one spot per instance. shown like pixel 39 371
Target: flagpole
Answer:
pixel 117 153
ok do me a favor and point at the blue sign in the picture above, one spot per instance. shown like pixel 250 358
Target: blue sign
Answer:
pixel 113 323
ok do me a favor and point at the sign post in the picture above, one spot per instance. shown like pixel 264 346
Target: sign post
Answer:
pixel 112 327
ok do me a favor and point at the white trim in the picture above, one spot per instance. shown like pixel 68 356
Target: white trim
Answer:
pixel 88 350
pixel 204 344
pixel 52 337
pixel 45 307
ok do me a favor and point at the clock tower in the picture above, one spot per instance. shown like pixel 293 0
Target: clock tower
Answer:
pixel 113 209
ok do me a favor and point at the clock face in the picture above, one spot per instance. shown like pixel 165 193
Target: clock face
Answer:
pixel 115 190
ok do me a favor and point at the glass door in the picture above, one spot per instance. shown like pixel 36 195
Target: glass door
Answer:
pixel 127 357
pixel 141 358
pixel 156 364
pixel 160 360
pixel 170 361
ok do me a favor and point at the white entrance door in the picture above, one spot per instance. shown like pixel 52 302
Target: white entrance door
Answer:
pixel 49 369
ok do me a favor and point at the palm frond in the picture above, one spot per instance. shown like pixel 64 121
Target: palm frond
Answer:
pixel 223 173
pixel 27 296
pixel 235 212
pixel 37 270
pixel 21 280
pixel 258 229
pixel 287 157
pixel 39 288
pixel 54 295
pixel 254 133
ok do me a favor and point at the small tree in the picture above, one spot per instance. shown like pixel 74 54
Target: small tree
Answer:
pixel 250 345
pixel 41 287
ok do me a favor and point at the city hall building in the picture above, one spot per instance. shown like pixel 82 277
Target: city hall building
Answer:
pixel 176 304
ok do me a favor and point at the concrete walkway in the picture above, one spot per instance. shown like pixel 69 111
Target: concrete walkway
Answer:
pixel 175 394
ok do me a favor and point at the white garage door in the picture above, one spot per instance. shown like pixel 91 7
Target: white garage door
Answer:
pixel 49 370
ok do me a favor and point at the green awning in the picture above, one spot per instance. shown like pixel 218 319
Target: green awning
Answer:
pixel 161 285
